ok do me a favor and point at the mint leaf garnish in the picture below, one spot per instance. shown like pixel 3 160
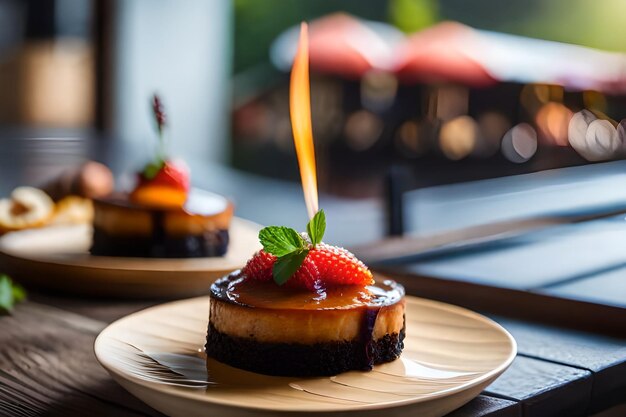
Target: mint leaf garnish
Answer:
pixel 287 265
pixel 152 169
pixel 289 247
pixel 317 227
pixel 10 294
pixel 281 241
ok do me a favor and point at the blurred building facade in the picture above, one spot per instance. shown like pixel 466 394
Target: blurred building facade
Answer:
pixel 91 66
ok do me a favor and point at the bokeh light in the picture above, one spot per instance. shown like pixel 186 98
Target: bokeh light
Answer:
pixel 553 121
pixel 362 130
pixel 577 131
pixel 520 143
pixel 410 139
pixel 458 137
pixel 621 138
pixel 601 140
pixel 492 126
pixel 378 90
pixel 595 139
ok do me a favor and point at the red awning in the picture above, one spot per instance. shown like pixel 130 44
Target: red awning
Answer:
pixel 439 54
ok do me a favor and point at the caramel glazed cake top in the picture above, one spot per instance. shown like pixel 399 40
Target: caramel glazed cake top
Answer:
pixel 362 317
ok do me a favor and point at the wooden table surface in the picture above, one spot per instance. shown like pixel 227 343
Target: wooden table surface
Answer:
pixel 48 368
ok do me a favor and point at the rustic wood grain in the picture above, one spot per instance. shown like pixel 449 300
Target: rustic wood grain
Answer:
pixel 513 303
pixel 47 367
pixel 486 406
pixel 105 310
pixel 560 270
pixel 537 259
pixel 605 288
pixel 605 357
pixel 544 388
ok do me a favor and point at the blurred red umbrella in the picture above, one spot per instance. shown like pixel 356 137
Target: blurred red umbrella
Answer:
pixel 451 52
pixel 437 54
pixel 343 45
pixel 332 47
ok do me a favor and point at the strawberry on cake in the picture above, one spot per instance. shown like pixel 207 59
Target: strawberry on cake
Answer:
pixel 301 307
pixel 162 217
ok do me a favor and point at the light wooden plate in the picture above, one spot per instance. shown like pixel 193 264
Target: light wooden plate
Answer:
pixel 451 355
pixel 57 258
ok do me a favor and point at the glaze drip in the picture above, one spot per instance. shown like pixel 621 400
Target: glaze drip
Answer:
pixel 367 336
pixel 236 289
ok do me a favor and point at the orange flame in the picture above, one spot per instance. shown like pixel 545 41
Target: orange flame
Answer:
pixel 300 111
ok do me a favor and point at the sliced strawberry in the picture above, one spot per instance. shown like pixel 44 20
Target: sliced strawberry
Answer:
pixel 172 174
pixel 259 267
pixel 338 266
pixel 306 277
pixel 167 188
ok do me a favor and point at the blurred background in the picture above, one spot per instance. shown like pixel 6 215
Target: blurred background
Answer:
pixel 428 115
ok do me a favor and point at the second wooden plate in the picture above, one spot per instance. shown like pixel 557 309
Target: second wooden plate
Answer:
pixel 57 258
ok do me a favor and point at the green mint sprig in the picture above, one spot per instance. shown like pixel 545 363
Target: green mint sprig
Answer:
pixel 290 247
pixel 317 227
pixel 10 294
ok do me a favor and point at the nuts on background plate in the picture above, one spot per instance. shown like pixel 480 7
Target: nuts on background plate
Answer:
pixel 26 207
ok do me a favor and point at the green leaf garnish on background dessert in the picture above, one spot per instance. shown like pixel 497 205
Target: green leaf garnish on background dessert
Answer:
pixel 151 170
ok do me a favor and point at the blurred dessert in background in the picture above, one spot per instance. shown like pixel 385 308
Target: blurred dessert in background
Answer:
pixel 25 208
pixel 89 180
pixel 73 209
pixel 30 207
pixel 198 228
pixel 162 217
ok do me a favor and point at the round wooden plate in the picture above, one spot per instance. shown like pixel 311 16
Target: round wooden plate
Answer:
pixel 57 258
pixel 450 356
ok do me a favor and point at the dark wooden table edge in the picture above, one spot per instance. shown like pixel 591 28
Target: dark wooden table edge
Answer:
pixel 509 302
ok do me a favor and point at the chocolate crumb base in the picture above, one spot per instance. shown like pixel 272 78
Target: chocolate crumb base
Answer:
pixel 189 246
pixel 293 359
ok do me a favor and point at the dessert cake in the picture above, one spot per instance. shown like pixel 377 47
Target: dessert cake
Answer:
pixel 304 308
pixel 161 217
pixel 198 228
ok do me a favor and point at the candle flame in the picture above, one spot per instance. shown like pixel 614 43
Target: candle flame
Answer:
pixel 300 111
